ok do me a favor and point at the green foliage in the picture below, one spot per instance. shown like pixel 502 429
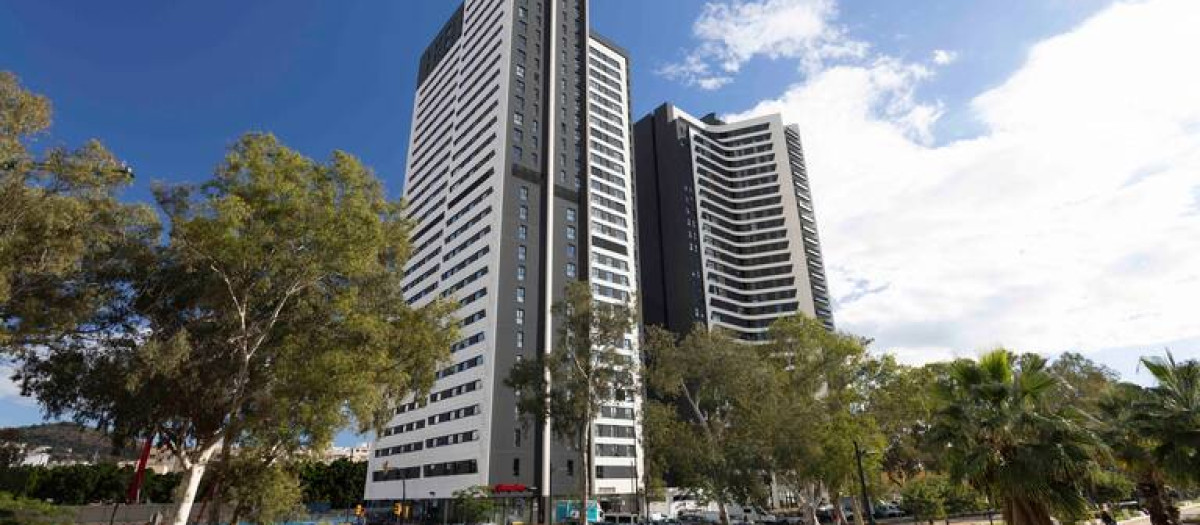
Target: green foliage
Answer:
pixel 473 505
pixel 1110 486
pixel 263 490
pixel 1153 433
pixel 826 380
pixel 936 496
pixel 1170 415
pixel 61 226
pixel 276 300
pixel 1082 383
pixel 711 425
pixel 21 511
pixel 999 432
pixel 586 370
pixel 84 484
pixel 341 483
pixel 925 498
pixel 901 403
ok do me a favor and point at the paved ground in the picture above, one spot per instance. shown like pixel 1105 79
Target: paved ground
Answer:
pixel 1185 512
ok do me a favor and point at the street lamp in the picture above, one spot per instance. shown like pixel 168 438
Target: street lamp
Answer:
pixel 862 480
pixel 12 164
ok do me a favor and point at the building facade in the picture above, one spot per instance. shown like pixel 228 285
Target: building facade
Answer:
pixel 519 180
pixel 727 231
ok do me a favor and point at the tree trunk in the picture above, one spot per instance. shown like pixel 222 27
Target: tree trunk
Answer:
pixel 589 457
pixel 191 485
pixel 1154 497
pixel 723 512
pixel 1018 511
pixel 195 472
pixel 839 517
pixel 858 511
pixel 812 499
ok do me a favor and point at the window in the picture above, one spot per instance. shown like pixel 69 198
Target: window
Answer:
pixel 516 466
pixel 520 253
pixel 535 125
pixel 517 437
pixel 571 233
pixel 518 118
pixel 522 12
pixel 517 152
pixel 521 273
pixel 520 339
pixel 524 192
pixel 570 269
pixel 570 250
pixel 520 316
pixel 571 214
pixel 520 86
pixel 523 232
pixel 520 71
pixel 518 135
pixel 521 55
pixel 570 467
pixel 523 212
pixel 521 40
pixel 520 294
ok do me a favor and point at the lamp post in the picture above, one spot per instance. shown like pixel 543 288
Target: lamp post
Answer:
pixel 12 164
pixel 862 480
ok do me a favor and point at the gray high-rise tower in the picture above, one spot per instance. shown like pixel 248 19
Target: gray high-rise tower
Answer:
pixel 519 181
pixel 727 232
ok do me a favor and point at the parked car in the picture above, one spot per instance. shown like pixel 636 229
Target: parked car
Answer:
pixel 888 510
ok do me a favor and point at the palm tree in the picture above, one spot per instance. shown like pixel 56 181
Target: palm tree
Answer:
pixel 1172 415
pixel 1001 433
pixel 1123 427
pixel 1161 434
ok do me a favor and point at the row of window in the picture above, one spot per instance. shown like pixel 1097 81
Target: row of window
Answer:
pixel 470 466
pixel 452 415
pixel 460 367
pixel 466 343
pixel 432 470
pixel 455 391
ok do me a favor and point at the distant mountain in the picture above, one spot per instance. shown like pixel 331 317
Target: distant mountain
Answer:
pixel 68 441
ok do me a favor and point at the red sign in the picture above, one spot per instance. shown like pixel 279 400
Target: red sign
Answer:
pixel 509 487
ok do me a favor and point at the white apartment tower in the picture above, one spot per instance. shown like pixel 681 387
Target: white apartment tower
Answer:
pixel 726 224
pixel 519 179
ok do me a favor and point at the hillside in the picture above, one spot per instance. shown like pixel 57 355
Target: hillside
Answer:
pixel 68 441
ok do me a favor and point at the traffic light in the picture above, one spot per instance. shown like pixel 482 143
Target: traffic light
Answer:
pixel 397 509
pixel 358 510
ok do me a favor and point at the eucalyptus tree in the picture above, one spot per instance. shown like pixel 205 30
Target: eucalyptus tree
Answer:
pixel 827 385
pixel 585 369
pixel 712 416
pixel 999 430
pixel 274 303
pixel 64 234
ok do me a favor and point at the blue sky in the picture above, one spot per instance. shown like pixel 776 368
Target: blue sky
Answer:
pixel 1018 172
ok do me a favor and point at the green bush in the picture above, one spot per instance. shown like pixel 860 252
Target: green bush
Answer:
pixel 934 497
pixel 83 484
pixel 23 511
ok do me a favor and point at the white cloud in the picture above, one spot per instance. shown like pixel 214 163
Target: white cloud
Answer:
pixel 1071 222
pixel 732 32
pixel 943 57
pixel 9 390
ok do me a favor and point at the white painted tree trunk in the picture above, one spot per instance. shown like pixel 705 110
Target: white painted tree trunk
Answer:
pixel 195 473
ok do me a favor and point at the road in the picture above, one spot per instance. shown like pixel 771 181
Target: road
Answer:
pixel 1187 511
